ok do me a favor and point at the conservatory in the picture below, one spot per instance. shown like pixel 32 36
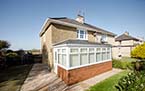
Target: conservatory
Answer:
pixel 77 60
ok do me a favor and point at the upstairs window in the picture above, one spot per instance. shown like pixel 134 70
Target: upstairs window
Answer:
pixel 104 38
pixel 82 34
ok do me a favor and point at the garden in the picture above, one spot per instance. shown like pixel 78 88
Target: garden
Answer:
pixel 14 67
pixel 132 78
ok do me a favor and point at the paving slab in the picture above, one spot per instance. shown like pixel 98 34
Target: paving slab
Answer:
pixel 41 79
pixel 84 85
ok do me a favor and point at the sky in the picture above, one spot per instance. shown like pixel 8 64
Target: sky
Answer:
pixel 21 20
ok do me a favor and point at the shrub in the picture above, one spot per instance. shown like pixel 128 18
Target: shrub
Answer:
pixel 139 51
pixel 12 59
pixel 11 55
pixel 122 64
pixel 134 81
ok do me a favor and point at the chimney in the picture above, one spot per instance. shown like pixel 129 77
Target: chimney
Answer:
pixel 80 18
pixel 126 33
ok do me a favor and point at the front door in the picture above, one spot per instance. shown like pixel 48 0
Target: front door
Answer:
pixel 55 60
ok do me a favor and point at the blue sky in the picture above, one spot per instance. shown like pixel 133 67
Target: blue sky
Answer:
pixel 21 20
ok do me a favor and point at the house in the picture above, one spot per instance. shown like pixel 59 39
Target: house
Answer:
pixel 75 50
pixel 124 45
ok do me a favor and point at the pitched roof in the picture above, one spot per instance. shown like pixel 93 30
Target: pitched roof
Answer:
pixel 71 22
pixel 72 42
pixel 125 37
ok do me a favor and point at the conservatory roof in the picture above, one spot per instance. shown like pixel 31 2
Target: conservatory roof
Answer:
pixel 79 43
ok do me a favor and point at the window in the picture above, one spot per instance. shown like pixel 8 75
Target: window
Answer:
pixel 98 54
pixel 91 49
pixel 104 38
pixel 83 50
pixel 74 57
pixel 82 34
pixel 64 59
pixel 74 50
pixel 98 57
pixel 91 57
pixel 74 60
pixel 104 56
pixel 81 56
pixel 108 53
pixel 84 59
pixel 62 56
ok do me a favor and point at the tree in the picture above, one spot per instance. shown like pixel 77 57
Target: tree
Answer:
pixel 4 44
pixel 139 51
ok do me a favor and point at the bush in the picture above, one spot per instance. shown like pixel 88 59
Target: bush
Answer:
pixel 134 81
pixel 139 51
pixel 12 59
pixel 11 55
pixel 122 64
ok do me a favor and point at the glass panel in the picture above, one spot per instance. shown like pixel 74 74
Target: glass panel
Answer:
pixel 59 58
pixel 64 59
pixel 83 59
pixel 108 49
pixel 83 49
pixel 59 50
pixel 104 37
pixel 98 57
pixel 91 57
pixel 98 49
pixel 82 32
pixel 74 60
pixel 104 49
pixel 91 49
pixel 104 55
pixel 63 50
pixel 81 36
pixel 73 50
pixel 108 55
pixel 55 56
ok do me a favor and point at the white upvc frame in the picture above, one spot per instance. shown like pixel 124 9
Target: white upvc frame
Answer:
pixel 104 37
pixel 85 32
pixel 68 53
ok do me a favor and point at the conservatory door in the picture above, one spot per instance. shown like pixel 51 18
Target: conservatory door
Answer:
pixel 55 60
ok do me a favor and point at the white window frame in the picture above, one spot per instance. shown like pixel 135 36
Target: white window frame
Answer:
pixel 104 38
pixel 68 53
pixel 85 36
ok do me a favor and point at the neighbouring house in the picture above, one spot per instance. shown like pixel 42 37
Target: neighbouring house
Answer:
pixel 75 50
pixel 124 45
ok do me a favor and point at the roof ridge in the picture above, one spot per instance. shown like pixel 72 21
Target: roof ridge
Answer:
pixel 58 17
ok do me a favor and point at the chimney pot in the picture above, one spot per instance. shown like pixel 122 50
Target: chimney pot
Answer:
pixel 80 18
pixel 126 33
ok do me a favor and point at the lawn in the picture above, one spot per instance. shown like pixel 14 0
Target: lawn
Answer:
pixel 108 84
pixel 11 79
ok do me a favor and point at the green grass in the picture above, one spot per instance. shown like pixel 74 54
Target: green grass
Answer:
pixel 108 84
pixel 11 79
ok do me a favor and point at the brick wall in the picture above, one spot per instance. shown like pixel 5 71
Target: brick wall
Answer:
pixel 83 73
